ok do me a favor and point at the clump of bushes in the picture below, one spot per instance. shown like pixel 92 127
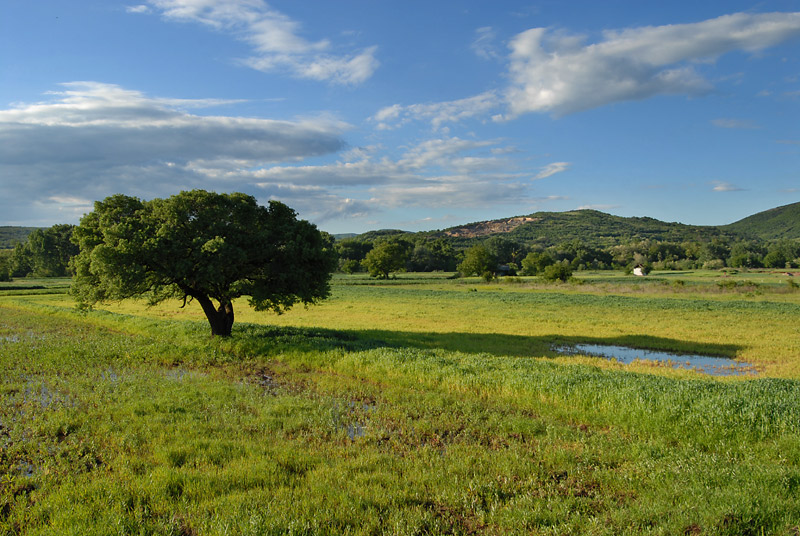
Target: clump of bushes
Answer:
pixel 557 272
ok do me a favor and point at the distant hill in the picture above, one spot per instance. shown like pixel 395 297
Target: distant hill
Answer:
pixel 10 236
pixel 599 229
pixel 591 226
pixel 772 224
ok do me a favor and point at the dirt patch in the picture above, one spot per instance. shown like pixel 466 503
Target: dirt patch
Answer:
pixel 485 228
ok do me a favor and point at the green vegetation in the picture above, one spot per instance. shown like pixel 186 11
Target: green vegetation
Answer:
pixel 419 405
pixel 386 257
pixel 592 240
pixel 777 223
pixel 478 261
pixel 10 236
pixel 45 253
pixel 202 246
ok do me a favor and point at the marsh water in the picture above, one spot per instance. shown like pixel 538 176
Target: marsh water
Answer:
pixel 715 366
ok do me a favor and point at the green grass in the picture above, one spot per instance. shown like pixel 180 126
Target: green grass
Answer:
pixel 424 408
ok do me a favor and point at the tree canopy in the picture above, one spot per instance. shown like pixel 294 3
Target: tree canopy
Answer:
pixel 478 260
pixel 204 246
pixel 387 256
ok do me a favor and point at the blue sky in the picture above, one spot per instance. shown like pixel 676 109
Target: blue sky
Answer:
pixel 415 115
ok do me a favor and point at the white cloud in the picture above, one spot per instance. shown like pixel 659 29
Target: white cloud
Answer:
pixel 721 186
pixel 551 169
pixel 437 113
pixel 275 39
pixel 434 173
pixel 317 203
pixel 137 9
pixel 558 73
pixel 92 140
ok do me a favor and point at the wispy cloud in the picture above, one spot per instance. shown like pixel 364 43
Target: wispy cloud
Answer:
pixel 434 173
pixel 721 186
pixel 558 73
pixel 438 113
pixel 275 38
pixel 600 207
pixel 551 169
pixel 484 44
pixel 735 124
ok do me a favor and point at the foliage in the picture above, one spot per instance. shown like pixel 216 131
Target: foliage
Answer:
pixel 387 256
pixel 10 236
pixel 504 251
pixel 204 246
pixel 535 262
pixel 351 253
pixel 46 253
pixel 431 255
pixel 557 272
pixel 774 224
pixel 478 260
pixel 590 240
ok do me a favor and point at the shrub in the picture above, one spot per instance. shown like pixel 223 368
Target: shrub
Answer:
pixel 557 272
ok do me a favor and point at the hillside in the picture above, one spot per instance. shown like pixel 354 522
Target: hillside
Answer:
pixel 590 226
pixel 776 223
pixel 10 236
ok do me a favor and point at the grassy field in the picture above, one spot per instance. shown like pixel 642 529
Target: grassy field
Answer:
pixel 422 405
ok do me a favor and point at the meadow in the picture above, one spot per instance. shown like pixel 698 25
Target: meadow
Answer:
pixel 419 405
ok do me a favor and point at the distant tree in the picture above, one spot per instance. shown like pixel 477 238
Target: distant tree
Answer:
pixel 535 262
pixel 775 259
pixel 665 251
pixel 51 250
pixel 557 272
pixel 45 253
pixel 351 252
pixel 783 254
pixel 477 261
pixel 432 255
pixel 387 256
pixel 203 246
pixel 349 266
pixel 21 263
pixel 5 264
pixel 504 251
pixel 716 249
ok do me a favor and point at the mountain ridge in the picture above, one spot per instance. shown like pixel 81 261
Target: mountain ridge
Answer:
pixel 602 229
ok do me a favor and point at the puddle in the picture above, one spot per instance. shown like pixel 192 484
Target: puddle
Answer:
pixel 355 430
pixel 714 366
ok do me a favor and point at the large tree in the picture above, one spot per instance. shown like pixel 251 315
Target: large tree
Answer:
pixel 204 246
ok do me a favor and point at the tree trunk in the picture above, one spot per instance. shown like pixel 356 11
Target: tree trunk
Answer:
pixel 221 318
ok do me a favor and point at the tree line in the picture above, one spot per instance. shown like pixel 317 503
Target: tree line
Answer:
pixel 47 253
pixel 500 256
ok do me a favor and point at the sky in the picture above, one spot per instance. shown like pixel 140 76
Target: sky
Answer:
pixel 413 115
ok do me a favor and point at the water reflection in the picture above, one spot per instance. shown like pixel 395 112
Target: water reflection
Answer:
pixel 715 366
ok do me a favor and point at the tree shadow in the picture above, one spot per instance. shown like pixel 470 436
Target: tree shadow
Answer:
pixel 269 339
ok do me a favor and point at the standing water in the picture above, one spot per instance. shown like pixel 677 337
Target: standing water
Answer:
pixel 715 366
